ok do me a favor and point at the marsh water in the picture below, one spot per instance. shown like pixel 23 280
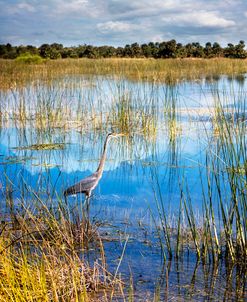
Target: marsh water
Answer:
pixel 169 131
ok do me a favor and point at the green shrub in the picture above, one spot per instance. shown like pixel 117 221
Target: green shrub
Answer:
pixel 28 58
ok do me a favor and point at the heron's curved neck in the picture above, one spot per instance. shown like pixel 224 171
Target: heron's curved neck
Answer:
pixel 103 156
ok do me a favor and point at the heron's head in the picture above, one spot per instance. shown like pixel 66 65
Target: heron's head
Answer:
pixel 114 134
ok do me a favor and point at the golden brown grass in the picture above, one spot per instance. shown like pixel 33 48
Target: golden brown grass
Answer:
pixel 41 258
pixel 169 70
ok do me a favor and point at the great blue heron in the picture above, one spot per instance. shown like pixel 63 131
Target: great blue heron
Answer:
pixel 88 184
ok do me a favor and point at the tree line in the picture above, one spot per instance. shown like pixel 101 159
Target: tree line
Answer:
pixel 166 49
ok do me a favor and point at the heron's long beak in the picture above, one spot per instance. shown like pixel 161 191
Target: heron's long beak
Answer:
pixel 119 134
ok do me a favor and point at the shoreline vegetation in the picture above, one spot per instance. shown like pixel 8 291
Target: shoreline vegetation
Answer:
pixel 42 245
pixel 16 73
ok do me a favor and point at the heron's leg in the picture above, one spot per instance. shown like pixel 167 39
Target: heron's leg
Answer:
pixel 87 201
pixel 66 200
pixel 87 215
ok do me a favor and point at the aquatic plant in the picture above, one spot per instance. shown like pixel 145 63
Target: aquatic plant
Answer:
pixel 220 233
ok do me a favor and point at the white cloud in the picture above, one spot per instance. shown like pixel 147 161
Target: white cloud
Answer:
pixel 18 8
pixel 116 26
pixel 199 19
pixel 157 5
pixel 72 8
pixel 26 6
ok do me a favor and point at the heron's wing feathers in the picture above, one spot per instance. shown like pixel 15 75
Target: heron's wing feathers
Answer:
pixel 83 186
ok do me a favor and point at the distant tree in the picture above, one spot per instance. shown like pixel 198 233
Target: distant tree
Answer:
pixel 168 49
pixel 9 47
pixel 235 51
pixel 146 50
pixel 120 52
pixel 136 50
pixel 229 51
pixel 57 46
pixel 44 50
pixel 50 51
pixel 127 51
pixel 181 51
pixel 91 52
pixel 154 47
pixel 69 52
pixel 217 50
pixel 165 49
pixel 32 49
pixel 80 50
pixel 11 52
pixel 27 49
pixel 240 52
pixel 197 50
pixel 106 51
pixel 3 50
pixel 189 50
pixel 54 54
pixel 208 50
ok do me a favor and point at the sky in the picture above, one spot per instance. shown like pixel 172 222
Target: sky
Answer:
pixel 120 22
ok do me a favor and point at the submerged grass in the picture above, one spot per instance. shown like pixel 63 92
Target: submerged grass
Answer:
pixel 43 95
pixel 82 104
pixel 221 231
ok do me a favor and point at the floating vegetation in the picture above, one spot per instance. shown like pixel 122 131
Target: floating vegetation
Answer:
pixel 54 146
pixel 45 165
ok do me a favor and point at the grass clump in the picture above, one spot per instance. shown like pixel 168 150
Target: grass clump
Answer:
pixel 42 256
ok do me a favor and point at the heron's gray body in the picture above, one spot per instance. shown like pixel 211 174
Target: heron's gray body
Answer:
pixel 85 186
pixel 88 184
